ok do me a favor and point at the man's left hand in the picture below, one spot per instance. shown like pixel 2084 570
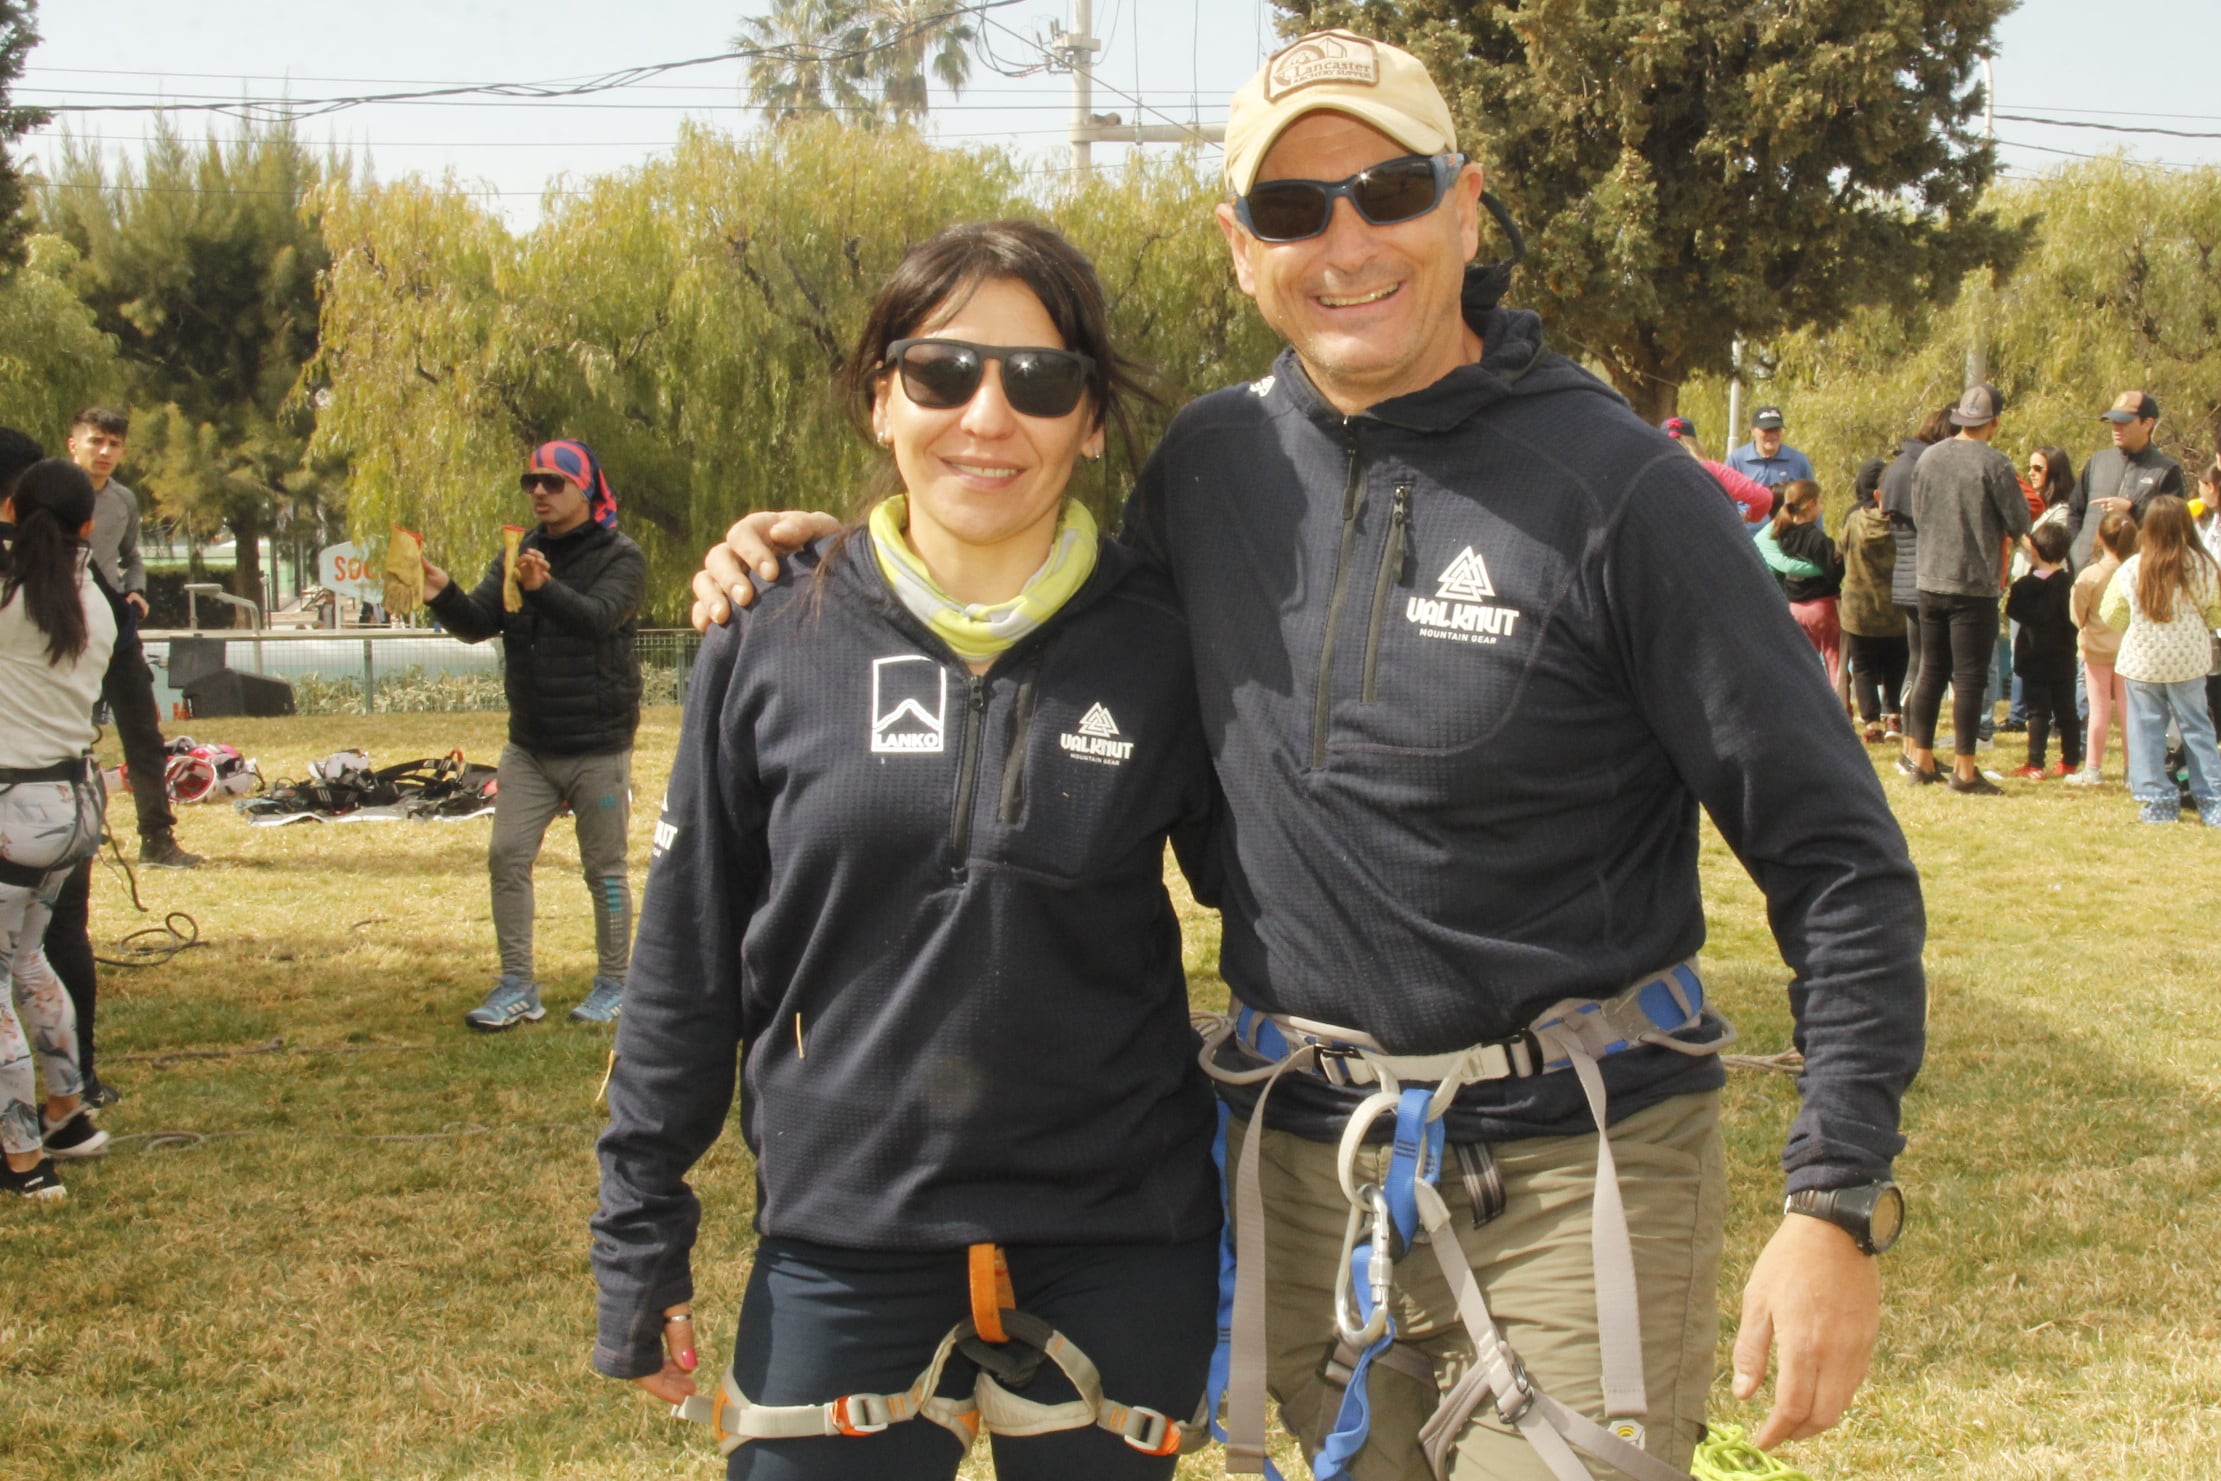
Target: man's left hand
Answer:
pixel 1815 1298
pixel 136 601
pixel 532 570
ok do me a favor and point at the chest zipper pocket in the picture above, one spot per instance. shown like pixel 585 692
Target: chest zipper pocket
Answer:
pixel 967 777
pixel 1013 800
pixel 1395 571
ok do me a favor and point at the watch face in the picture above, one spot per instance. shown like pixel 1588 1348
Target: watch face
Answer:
pixel 1887 1220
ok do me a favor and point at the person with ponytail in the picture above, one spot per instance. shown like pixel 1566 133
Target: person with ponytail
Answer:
pixel 2166 601
pixel 56 632
pixel 910 870
pixel 1808 568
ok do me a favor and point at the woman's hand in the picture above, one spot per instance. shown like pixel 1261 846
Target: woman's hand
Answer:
pixel 435 579
pixel 675 1381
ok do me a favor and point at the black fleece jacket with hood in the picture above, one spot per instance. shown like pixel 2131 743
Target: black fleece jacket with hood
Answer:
pixel 1469 663
pixel 929 906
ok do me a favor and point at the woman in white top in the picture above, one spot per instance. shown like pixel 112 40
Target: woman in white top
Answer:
pixel 2166 599
pixel 56 632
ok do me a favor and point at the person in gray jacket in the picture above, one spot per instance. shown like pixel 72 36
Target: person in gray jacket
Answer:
pixel 1967 503
pixel 96 444
pixel 2122 478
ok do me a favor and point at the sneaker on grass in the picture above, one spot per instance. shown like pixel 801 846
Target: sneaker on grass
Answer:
pixel 2089 776
pixel 602 1003
pixel 1979 785
pixel 76 1137
pixel 513 1001
pixel 41 1182
pixel 2029 773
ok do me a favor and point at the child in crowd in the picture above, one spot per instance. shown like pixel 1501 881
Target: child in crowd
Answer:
pixel 2207 510
pixel 2099 644
pixel 1873 626
pixel 2043 648
pixel 2166 600
pixel 1810 572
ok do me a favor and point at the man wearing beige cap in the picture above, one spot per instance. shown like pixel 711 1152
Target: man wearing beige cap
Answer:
pixel 1473 644
pixel 2124 477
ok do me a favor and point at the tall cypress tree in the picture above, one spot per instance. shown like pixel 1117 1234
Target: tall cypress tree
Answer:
pixel 1692 171
pixel 19 32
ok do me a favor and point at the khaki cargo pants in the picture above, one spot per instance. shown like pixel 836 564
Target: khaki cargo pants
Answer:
pixel 1533 1265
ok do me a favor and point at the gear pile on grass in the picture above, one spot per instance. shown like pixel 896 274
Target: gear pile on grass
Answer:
pixel 345 788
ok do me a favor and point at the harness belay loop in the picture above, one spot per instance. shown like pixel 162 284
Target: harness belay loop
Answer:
pixel 1407 1210
pixel 1006 1344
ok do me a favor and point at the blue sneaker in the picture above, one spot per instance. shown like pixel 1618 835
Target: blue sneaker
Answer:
pixel 601 1003
pixel 513 1001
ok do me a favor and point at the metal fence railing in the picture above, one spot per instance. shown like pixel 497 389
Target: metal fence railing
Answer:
pixel 382 670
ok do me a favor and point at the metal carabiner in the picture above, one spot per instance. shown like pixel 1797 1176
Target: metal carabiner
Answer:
pixel 1379 1270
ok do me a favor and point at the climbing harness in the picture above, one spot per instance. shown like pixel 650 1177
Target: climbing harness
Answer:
pixel 1387 1220
pixel 345 788
pixel 88 816
pixel 1008 1345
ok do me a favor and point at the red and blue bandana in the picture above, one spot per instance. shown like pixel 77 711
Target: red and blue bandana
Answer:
pixel 576 462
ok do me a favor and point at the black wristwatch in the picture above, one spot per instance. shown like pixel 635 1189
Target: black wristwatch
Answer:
pixel 1871 1213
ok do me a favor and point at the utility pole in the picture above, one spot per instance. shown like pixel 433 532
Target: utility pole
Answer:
pixel 1074 51
pixel 1978 348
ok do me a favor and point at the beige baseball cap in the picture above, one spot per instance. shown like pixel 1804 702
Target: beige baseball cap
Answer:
pixel 1338 72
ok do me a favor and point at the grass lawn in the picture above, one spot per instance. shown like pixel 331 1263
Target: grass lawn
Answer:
pixel 361 1249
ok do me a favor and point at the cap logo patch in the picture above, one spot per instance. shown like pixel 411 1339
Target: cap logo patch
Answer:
pixel 1322 58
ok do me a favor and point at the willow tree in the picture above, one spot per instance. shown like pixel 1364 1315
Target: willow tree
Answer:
pixel 202 261
pixel 53 357
pixel 1694 171
pixel 2120 286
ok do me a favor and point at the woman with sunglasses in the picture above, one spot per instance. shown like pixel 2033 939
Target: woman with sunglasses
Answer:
pixel 911 869
pixel 565 608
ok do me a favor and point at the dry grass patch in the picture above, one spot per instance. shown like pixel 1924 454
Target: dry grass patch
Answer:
pixel 372 1260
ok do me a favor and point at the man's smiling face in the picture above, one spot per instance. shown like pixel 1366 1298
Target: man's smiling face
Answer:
pixel 1372 311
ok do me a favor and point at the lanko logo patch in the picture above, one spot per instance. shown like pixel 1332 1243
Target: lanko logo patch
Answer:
pixel 909 706
pixel 1097 740
pixel 667 832
pixel 1462 608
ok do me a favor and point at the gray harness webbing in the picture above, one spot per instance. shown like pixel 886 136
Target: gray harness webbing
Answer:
pixel 1573 1034
pixel 737 1419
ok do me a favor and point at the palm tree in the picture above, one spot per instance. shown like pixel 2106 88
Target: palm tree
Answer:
pixel 812 56
pixel 917 37
pixel 868 59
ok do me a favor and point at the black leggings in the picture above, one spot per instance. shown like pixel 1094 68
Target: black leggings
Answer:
pixel 1912 656
pixel 1877 672
pixel 69 951
pixel 820 1322
pixel 1958 638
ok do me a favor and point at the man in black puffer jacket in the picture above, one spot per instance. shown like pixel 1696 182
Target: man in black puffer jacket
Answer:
pixel 573 681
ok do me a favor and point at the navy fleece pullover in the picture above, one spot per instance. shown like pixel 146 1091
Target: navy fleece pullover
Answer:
pixel 1469 663
pixel 931 906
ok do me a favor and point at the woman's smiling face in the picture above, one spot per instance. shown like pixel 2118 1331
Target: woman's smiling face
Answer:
pixel 983 475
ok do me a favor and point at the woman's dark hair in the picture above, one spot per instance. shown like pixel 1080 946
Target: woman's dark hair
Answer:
pixel 1797 495
pixel 944 270
pixel 1937 426
pixel 53 500
pixel 2058 475
pixel 2166 545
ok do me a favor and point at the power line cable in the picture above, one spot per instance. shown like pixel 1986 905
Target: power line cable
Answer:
pixel 265 110
pixel 2110 128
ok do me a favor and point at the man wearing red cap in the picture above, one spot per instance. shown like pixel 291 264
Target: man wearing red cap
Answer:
pixel 573 683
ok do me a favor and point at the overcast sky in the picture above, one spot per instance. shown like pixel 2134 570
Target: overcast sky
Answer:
pixel 2153 67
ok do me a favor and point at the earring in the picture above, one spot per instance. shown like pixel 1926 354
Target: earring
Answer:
pixel 885 437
